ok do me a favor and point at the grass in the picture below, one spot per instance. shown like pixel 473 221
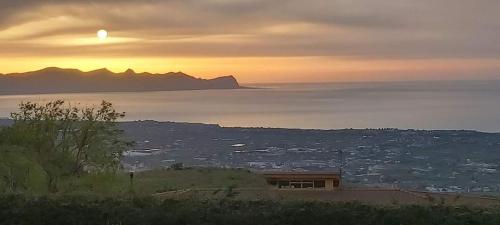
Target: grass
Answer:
pixel 158 181
pixel 237 184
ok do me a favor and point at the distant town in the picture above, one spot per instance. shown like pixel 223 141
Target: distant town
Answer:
pixel 438 161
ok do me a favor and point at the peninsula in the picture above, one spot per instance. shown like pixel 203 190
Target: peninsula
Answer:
pixel 58 80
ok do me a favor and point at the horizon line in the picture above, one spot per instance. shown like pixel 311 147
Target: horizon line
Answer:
pixel 259 83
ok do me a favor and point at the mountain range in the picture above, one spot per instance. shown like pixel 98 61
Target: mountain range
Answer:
pixel 58 80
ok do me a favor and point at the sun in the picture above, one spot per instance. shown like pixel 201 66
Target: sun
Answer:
pixel 102 34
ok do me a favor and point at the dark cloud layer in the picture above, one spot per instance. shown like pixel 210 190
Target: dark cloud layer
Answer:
pixel 352 28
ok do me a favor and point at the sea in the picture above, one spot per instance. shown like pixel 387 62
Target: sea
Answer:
pixel 437 105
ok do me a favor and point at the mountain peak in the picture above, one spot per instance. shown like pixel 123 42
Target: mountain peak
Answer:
pixel 48 72
pixel 103 70
pixel 178 73
pixel 51 68
pixel 54 69
pixel 129 71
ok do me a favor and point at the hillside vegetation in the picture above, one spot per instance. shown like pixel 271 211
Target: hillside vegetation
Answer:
pixel 149 211
pixel 155 182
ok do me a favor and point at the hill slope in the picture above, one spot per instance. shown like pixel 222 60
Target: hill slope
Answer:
pixel 57 80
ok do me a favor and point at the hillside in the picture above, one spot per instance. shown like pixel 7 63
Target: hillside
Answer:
pixel 57 80
pixel 426 160
pixel 239 184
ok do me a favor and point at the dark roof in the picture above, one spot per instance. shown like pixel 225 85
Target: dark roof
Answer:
pixel 317 174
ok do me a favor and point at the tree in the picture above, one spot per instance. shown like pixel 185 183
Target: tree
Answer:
pixel 14 169
pixel 66 140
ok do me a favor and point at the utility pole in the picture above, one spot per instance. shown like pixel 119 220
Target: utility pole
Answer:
pixel 131 177
pixel 341 158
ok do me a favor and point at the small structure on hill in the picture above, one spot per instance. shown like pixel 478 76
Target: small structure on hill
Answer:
pixel 304 180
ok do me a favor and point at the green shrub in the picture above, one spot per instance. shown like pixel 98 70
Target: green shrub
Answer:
pixel 92 210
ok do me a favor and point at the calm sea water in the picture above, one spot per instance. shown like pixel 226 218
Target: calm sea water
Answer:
pixel 422 105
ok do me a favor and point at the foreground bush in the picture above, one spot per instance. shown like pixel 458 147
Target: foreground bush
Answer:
pixel 57 141
pixel 85 210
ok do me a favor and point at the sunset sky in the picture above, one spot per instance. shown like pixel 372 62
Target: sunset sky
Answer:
pixel 258 40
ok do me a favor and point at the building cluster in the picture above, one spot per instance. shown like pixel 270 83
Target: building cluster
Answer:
pixel 441 161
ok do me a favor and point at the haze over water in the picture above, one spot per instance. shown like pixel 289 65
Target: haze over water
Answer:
pixel 471 105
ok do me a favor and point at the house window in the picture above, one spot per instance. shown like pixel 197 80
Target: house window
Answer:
pixel 302 184
pixel 296 184
pixel 335 182
pixel 283 184
pixel 307 184
pixel 319 184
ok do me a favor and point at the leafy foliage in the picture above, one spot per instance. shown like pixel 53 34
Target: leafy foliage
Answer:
pixel 87 210
pixel 62 140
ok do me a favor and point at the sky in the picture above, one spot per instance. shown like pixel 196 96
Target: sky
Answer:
pixel 258 40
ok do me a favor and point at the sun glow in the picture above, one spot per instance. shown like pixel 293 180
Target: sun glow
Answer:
pixel 102 34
